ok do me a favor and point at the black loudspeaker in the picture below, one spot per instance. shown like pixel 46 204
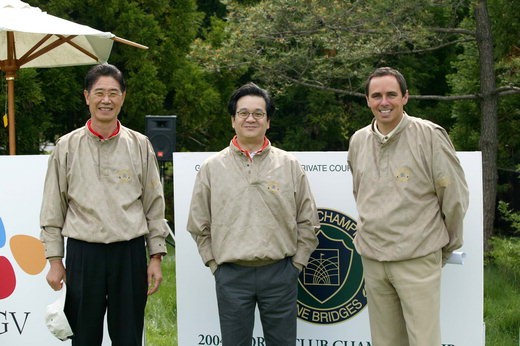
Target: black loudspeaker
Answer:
pixel 160 130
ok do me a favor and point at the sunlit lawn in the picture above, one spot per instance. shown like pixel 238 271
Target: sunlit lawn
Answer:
pixel 161 311
pixel 501 308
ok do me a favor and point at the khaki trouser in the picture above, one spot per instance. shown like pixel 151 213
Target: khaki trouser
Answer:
pixel 404 300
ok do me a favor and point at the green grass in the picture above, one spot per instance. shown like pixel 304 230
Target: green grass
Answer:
pixel 161 309
pixel 501 308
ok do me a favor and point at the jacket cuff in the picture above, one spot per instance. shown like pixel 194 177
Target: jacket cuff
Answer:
pixel 212 265
pixel 156 238
pixel 445 256
pixel 52 242
pixel 156 246
pixel 298 266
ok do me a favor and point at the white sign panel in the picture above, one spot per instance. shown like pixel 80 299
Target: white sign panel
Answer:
pixel 24 293
pixel 331 312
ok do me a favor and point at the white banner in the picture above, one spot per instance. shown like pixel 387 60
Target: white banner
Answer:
pixel 332 313
pixel 24 293
pixel 335 317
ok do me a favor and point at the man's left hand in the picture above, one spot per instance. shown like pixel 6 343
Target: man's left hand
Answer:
pixel 154 275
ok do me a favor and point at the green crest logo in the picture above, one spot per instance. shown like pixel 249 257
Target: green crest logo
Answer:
pixel 331 288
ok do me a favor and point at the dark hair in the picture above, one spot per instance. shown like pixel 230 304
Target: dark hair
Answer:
pixel 253 90
pixel 387 71
pixel 104 69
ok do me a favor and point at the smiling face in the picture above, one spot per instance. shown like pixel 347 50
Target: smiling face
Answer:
pixel 104 101
pixel 250 131
pixel 386 101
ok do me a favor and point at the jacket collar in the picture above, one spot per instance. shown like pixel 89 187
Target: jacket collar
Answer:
pixel 92 132
pixel 394 133
pixel 236 148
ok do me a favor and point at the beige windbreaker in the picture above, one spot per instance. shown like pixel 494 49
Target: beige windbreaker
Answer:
pixel 102 191
pixel 410 191
pixel 253 211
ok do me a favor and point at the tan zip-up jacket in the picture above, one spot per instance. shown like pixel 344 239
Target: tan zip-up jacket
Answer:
pixel 253 212
pixel 102 191
pixel 410 191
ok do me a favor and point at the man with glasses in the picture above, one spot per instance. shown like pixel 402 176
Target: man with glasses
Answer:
pixel 254 220
pixel 103 192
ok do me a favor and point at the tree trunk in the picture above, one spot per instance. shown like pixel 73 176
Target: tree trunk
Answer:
pixel 488 104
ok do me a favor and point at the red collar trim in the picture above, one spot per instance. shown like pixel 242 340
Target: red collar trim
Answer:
pixel 116 131
pixel 235 143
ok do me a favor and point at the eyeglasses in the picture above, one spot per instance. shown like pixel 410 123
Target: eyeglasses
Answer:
pixel 100 93
pixel 245 114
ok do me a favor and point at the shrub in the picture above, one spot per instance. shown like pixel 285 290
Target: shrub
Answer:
pixel 508 215
pixel 505 254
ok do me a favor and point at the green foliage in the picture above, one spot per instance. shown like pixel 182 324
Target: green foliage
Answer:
pixel 505 20
pixel 510 216
pixel 315 56
pixel 31 115
pixel 506 23
pixel 160 81
pixel 505 254
pixel 465 80
pixel 144 96
pixel 309 120
pixel 329 43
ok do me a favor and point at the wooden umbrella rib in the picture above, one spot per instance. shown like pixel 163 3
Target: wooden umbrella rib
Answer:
pixel 68 40
pixel 35 52
pixel 128 42
pixel 27 56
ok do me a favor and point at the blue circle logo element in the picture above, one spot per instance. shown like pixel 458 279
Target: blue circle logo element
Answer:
pixel 331 288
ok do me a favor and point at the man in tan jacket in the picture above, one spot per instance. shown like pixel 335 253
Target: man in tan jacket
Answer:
pixel 103 193
pixel 254 219
pixel 411 197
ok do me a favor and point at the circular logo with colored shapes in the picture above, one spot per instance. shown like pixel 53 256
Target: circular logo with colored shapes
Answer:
pixel 28 253
pixel 331 288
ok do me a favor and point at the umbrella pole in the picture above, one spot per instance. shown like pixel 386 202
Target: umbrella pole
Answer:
pixel 10 74
pixel 10 109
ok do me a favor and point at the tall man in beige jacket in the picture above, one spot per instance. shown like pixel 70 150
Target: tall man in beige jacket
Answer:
pixel 411 197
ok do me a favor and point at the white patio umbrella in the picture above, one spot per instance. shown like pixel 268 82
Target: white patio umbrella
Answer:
pixel 30 37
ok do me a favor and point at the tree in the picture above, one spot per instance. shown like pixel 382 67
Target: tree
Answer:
pixel 498 124
pixel 160 81
pixel 489 99
pixel 333 45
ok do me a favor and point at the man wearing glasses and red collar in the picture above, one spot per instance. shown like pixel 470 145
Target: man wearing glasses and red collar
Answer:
pixel 254 220
pixel 103 192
